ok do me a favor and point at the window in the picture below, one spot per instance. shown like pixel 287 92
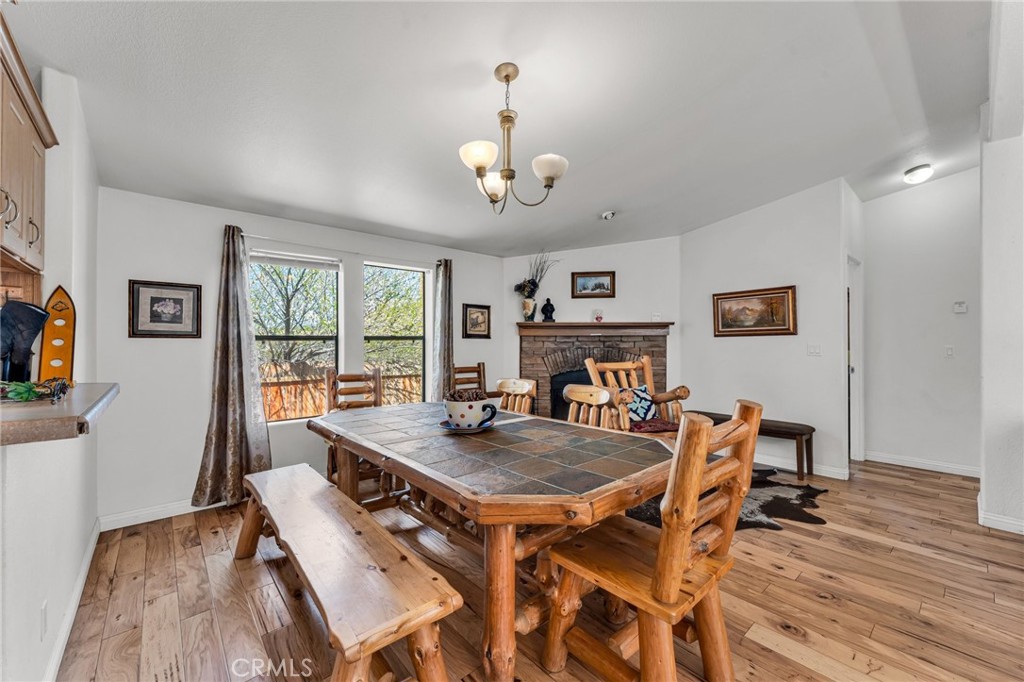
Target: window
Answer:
pixel 295 310
pixel 393 328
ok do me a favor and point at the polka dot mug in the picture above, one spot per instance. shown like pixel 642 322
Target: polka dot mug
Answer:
pixel 469 415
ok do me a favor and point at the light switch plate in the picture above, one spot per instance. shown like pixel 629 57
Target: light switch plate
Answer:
pixel 959 307
pixel 814 350
pixel 655 317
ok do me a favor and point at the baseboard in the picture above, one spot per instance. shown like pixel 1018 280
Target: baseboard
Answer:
pixel 59 644
pixel 147 514
pixel 789 464
pixel 1000 522
pixel 926 464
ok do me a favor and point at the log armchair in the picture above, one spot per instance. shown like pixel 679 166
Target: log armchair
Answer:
pixel 663 574
pixel 596 406
pixel 633 375
pixel 517 395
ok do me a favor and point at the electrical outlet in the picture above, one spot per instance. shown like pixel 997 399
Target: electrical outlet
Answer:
pixel 950 352
pixel 655 317
pixel 42 621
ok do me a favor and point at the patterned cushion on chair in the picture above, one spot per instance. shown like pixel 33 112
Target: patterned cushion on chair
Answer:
pixel 653 426
pixel 642 408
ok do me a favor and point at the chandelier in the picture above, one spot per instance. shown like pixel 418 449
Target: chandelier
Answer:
pixel 480 155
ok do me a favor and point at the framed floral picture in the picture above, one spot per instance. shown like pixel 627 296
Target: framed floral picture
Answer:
pixel 164 309
pixel 756 312
pixel 593 284
pixel 476 321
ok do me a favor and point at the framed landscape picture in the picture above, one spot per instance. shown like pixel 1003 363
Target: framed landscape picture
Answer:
pixel 593 284
pixel 164 309
pixel 476 321
pixel 757 312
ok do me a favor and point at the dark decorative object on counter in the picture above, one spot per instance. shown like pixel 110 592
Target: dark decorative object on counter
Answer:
pixel 20 324
pixel 549 311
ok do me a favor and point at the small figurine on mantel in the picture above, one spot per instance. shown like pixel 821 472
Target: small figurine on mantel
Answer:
pixel 549 311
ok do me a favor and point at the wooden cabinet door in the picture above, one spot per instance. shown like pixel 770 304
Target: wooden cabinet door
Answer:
pixel 36 182
pixel 17 130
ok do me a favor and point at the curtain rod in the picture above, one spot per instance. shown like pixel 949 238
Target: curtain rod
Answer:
pixel 310 246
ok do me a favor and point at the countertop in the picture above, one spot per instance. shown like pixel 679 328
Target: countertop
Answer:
pixel 70 418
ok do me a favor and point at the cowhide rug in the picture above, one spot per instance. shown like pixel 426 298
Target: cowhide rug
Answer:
pixel 766 501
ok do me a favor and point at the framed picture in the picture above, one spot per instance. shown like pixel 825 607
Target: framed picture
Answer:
pixel 476 321
pixel 164 309
pixel 758 312
pixel 593 284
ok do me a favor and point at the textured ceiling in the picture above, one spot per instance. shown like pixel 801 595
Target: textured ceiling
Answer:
pixel 674 115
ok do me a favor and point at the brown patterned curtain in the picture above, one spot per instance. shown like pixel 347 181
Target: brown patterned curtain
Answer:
pixel 444 356
pixel 237 441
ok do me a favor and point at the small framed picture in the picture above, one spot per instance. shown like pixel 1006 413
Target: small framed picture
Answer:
pixel 593 284
pixel 476 321
pixel 756 312
pixel 164 309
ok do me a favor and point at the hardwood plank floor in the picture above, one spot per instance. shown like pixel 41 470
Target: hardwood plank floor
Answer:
pixel 900 584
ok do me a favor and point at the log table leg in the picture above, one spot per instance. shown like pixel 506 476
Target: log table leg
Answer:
pixel 347 464
pixel 499 640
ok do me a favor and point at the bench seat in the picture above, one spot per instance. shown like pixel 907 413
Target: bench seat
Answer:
pixel 803 434
pixel 370 589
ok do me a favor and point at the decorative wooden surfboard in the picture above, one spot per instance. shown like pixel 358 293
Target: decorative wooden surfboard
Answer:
pixel 57 348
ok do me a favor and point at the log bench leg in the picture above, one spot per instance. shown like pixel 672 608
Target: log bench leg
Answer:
pixel 252 528
pixel 351 672
pixel 425 652
pixel 799 458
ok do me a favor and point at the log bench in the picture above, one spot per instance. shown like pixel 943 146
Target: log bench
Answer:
pixel 370 590
pixel 803 434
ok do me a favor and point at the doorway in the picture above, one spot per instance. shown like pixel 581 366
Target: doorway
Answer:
pixel 854 360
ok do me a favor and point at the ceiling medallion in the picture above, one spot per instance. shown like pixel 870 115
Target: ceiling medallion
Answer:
pixel 480 155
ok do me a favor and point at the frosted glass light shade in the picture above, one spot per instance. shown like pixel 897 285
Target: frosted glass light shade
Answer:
pixel 918 174
pixel 478 154
pixel 493 186
pixel 550 166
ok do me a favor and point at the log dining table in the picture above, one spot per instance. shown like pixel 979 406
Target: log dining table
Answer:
pixel 522 485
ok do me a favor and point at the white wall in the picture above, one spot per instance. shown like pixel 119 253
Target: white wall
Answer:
pixel 153 435
pixel 796 240
pixel 923 253
pixel 48 490
pixel 646 282
pixel 1001 503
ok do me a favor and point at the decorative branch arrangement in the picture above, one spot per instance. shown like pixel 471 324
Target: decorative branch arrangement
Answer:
pixel 540 264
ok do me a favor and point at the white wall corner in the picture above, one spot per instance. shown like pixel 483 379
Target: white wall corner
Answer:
pixel 71 608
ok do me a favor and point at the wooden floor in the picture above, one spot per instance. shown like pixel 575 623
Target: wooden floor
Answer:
pixel 901 584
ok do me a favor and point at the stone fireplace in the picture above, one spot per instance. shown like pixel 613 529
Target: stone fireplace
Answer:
pixel 553 352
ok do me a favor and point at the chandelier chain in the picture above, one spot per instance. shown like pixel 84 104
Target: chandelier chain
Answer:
pixel 507 81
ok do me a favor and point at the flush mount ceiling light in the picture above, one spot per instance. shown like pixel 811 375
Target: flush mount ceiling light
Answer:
pixel 918 174
pixel 481 155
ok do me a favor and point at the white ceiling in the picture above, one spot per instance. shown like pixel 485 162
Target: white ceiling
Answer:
pixel 674 115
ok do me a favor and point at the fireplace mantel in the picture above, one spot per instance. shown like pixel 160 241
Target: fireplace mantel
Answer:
pixel 594 328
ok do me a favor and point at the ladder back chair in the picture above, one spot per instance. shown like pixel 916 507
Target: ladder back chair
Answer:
pixel 471 377
pixel 517 395
pixel 636 373
pixel 663 574
pixel 596 406
pixel 351 391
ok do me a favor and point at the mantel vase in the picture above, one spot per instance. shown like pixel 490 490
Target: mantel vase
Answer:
pixel 529 309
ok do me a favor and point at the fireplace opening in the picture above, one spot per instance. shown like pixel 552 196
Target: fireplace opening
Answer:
pixel 559 407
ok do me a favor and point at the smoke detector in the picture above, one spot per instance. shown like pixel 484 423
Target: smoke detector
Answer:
pixel 607 215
